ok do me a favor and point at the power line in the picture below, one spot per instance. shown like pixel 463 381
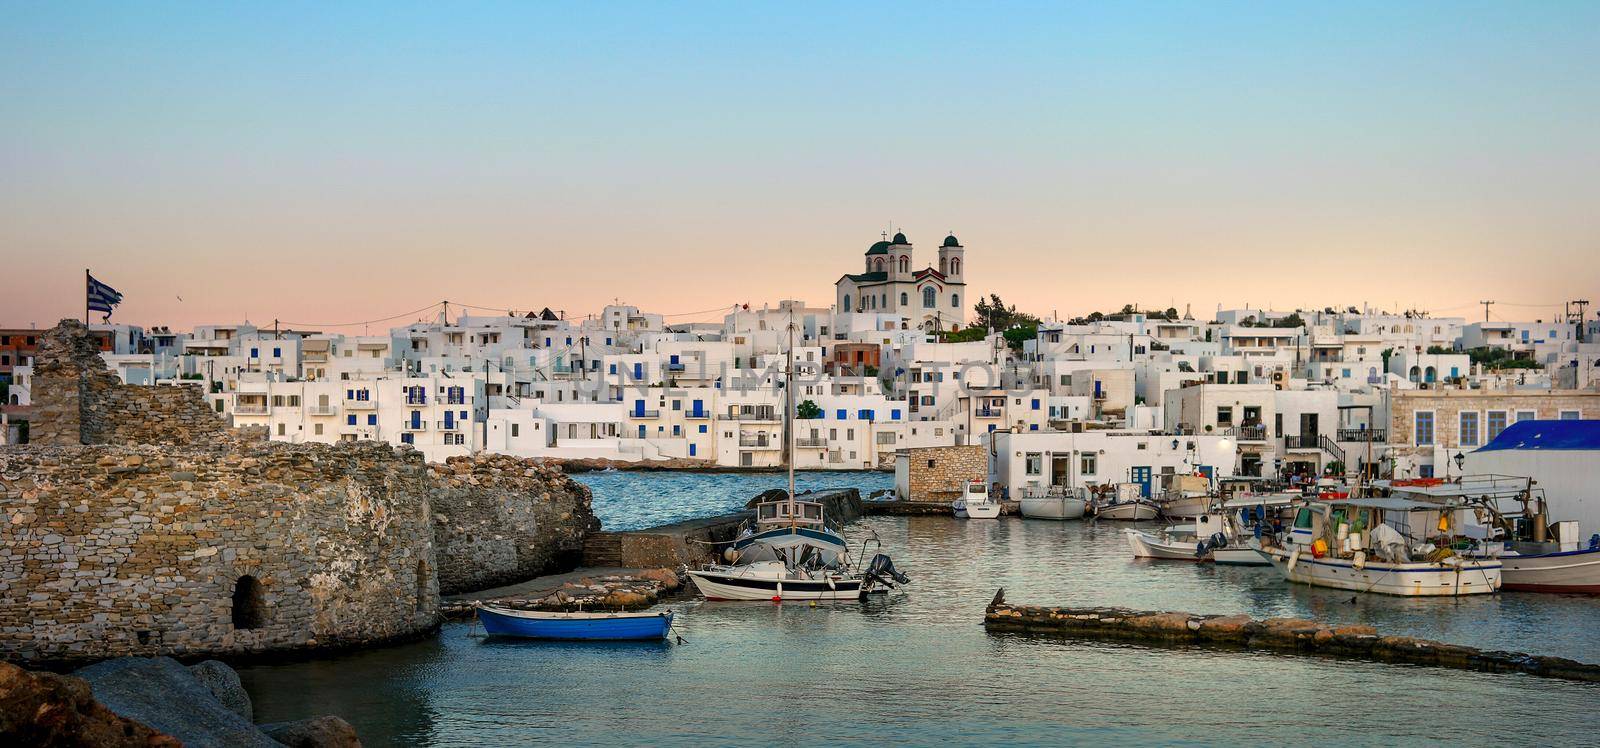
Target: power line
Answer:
pixel 365 322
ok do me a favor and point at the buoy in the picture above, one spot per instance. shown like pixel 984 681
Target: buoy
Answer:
pixel 777 598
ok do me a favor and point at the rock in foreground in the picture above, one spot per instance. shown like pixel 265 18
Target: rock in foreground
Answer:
pixel 45 709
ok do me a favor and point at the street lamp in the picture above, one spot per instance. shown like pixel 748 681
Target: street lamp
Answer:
pixel 1460 459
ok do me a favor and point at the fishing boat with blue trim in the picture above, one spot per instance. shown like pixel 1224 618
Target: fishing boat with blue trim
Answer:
pixel 583 626
pixel 1387 545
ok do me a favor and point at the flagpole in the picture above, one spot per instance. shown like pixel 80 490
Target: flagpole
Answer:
pixel 86 297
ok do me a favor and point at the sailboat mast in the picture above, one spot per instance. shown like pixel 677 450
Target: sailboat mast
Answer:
pixel 788 411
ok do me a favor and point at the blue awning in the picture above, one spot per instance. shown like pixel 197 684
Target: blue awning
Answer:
pixel 1547 435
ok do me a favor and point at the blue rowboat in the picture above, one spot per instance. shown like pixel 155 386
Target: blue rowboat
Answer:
pixel 535 624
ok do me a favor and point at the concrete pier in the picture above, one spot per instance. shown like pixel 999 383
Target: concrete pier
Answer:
pixel 1284 635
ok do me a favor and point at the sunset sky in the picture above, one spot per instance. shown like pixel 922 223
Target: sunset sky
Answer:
pixel 323 164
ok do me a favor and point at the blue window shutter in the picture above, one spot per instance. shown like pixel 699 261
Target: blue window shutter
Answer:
pixel 1036 404
pixel 702 428
pixel 841 415
pixel 613 368
pixel 255 352
pixel 895 414
pixel 1033 427
pixel 691 447
pixel 351 419
pixel 349 394
pixel 277 352
pixel 372 419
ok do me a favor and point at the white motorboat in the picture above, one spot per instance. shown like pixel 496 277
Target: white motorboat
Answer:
pixel 1056 503
pixel 1576 572
pixel 1243 517
pixel 1184 496
pixel 975 503
pixel 1175 543
pixel 1238 555
pixel 1391 546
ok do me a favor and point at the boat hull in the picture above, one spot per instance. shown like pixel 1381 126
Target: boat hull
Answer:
pixel 1128 512
pixel 576 626
pixel 976 511
pixel 1056 507
pixel 1570 572
pixel 1238 557
pixel 1466 577
pixel 1187 508
pixel 1145 545
pixel 730 586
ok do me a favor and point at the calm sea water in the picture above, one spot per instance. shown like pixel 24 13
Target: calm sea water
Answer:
pixel 917 668
pixel 625 500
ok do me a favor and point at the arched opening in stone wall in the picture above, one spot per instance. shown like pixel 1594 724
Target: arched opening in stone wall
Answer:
pixel 422 585
pixel 249 612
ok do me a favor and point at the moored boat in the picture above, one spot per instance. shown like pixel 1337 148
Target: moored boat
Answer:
pixel 582 626
pixel 975 503
pixel 1175 543
pixel 1056 503
pixel 1386 545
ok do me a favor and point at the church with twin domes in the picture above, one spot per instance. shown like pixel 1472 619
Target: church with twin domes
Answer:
pixel 930 295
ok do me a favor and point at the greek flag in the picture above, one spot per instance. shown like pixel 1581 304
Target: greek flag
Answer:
pixel 101 297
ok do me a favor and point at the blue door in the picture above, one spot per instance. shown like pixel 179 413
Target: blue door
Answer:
pixel 638 408
pixel 697 408
pixel 416 419
pixel 641 431
pixel 1141 475
pixel 691 450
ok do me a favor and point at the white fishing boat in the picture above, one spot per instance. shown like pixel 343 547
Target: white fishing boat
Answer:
pixel 975 503
pixel 1126 502
pixel 1245 517
pixel 1184 496
pixel 1055 503
pixel 1187 542
pixel 789 551
pixel 1174 543
pixel 1539 555
pixel 1387 545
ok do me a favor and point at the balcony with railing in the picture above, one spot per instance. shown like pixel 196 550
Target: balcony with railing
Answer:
pixel 322 410
pixel 414 426
pixel 414 398
pixel 697 414
pixel 759 415
pixel 642 413
pixel 760 442
pixel 250 409
pixel 1361 435
pixel 353 404
pixel 989 413
pixel 448 425
pixel 1248 433
pixel 810 441
pixel 1302 441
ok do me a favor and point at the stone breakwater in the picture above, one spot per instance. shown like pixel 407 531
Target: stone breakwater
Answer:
pixel 500 519
pixel 631 591
pixel 1284 635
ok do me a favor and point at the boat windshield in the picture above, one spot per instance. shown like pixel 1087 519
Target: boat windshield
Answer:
pixel 786 512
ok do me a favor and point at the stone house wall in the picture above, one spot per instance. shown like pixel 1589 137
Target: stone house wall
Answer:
pixel 1448 404
pixel 501 519
pixel 940 473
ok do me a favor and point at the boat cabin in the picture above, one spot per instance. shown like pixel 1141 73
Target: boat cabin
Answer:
pixel 803 513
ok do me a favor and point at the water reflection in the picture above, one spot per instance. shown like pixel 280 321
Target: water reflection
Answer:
pixel 630 501
pixel 919 668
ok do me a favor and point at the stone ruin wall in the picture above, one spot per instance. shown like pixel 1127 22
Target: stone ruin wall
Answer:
pixel 143 550
pixel 77 400
pixel 137 524
pixel 500 519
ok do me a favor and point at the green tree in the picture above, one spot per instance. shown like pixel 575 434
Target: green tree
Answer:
pixel 807 410
pixel 1172 312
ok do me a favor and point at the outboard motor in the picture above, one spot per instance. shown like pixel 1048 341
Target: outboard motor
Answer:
pixel 881 571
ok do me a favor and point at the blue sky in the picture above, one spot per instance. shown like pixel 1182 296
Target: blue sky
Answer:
pixel 686 155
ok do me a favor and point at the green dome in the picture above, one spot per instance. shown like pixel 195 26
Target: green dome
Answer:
pixel 900 238
pixel 880 248
pixel 950 241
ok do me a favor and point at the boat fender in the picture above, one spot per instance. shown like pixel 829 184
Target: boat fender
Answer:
pixel 1294 558
pixel 1360 560
pixel 831 585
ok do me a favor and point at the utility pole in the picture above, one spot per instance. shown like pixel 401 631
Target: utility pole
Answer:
pixel 1583 306
pixel 1486 305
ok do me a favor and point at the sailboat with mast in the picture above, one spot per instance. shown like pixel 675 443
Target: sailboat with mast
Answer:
pixel 789 551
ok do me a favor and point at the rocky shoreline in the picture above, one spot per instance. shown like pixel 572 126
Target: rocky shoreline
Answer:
pixel 149 701
pixel 1283 635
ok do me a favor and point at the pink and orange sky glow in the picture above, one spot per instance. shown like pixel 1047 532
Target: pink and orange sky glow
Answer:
pixel 324 166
